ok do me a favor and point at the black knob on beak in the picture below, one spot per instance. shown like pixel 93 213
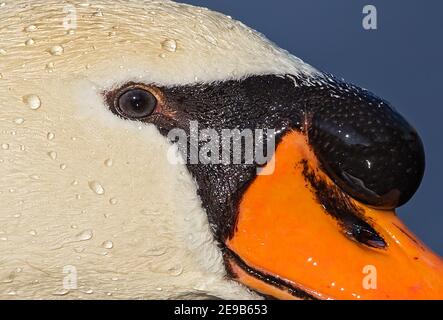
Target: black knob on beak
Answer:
pixel 370 151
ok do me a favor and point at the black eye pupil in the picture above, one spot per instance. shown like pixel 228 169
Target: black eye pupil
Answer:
pixel 136 103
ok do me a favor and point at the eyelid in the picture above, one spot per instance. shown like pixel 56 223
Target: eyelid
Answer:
pixel 156 92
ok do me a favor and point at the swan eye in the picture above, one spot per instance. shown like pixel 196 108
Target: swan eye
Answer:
pixel 136 103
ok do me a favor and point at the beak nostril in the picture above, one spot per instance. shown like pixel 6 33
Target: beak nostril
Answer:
pixel 338 205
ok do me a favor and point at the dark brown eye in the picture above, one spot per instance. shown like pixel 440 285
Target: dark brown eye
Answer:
pixel 136 103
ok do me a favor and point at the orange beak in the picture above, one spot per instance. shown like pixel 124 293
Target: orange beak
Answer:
pixel 288 245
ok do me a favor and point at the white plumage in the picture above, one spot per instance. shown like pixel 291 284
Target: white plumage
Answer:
pixel 80 187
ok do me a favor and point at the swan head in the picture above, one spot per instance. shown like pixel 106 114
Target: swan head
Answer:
pixel 101 196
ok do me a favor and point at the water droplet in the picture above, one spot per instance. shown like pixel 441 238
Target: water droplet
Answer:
pixel 162 55
pixel 84 235
pixel 176 270
pixel 98 13
pixel 63 166
pixel 108 244
pixel 9 279
pixel 33 233
pixel 109 162
pixel 5 146
pixel 50 67
pixel 70 32
pixel 62 292
pixel 31 28
pixel 74 183
pixel 89 291
pixel 169 45
pixel 34 177
pixel 113 201
pixel 50 136
pixel 29 42
pixel 211 40
pixel 96 187
pixel 56 50
pixel 155 252
pixel 19 120
pixel 52 155
pixel 2 52
pixel 33 101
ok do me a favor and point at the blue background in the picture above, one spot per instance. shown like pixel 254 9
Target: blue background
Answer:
pixel 400 62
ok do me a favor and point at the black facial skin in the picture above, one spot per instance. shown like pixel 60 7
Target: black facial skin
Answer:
pixel 366 148
pixel 256 102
